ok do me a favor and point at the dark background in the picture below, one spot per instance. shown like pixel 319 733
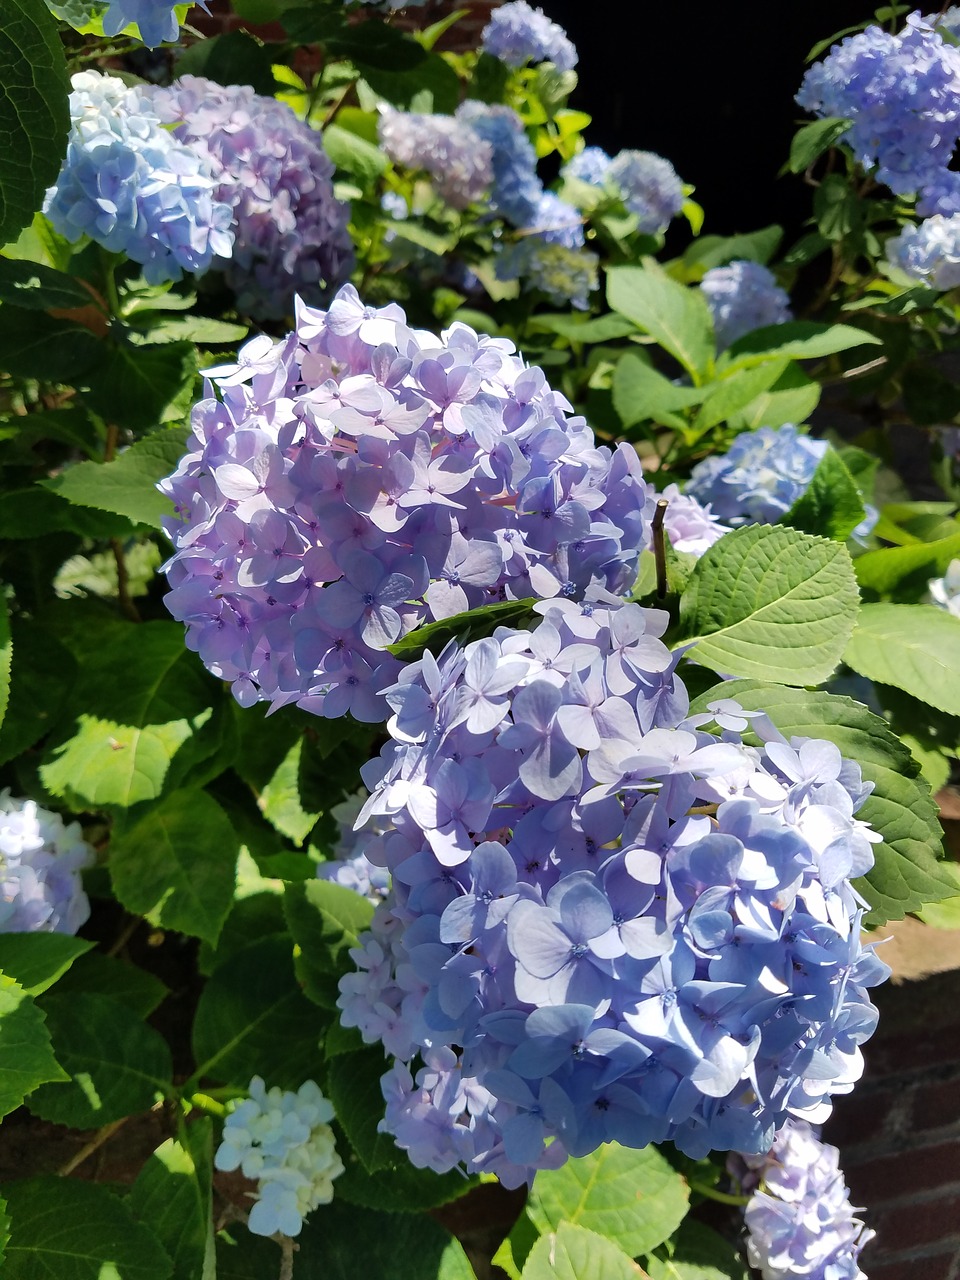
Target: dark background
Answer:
pixel 710 87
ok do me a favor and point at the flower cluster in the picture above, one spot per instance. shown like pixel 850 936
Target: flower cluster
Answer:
pixel 516 189
pixel 606 922
pixel 349 866
pixel 549 254
pixel 156 19
pixel 901 94
pixel 40 863
pixel 800 1221
pixel 646 183
pixel 360 478
pixel 271 170
pixel 282 1141
pixel 454 155
pixel 743 296
pixel 517 33
pixel 945 591
pixel 128 184
pixel 760 477
pixel 930 251
pixel 691 527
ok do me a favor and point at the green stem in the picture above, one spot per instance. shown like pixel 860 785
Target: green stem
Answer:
pixel 722 1197
pixel 109 263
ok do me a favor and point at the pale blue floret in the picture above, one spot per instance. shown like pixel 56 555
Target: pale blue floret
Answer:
pixel 760 477
pixel 589 165
pixel 156 19
pixel 41 858
pixel 929 252
pixel 649 186
pixel 743 296
pixel 518 33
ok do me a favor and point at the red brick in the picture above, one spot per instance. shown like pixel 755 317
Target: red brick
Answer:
pixel 925 1222
pixel 938 1267
pixel 936 1104
pixel 903 1173
pixel 861 1116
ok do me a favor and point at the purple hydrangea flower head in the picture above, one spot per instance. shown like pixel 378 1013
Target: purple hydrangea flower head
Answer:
pixel 760 477
pixel 450 150
pixel 359 478
pixel 901 94
pixel 607 921
pixel 349 866
pixel 799 1219
pixel 930 251
pixel 128 184
pixel 743 296
pixel 516 188
pixel 589 165
pixel 282 1141
pixel 41 858
pixel 156 19
pixel 272 171
pixel 518 33
pixel 690 525
pixel 649 186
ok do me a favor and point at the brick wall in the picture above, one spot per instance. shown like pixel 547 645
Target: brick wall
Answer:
pixel 899 1132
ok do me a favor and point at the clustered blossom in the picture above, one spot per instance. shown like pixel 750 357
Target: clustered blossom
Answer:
pixel 929 252
pixel 901 94
pixel 516 189
pixel 282 1141
pixel 156 19
pixel 455 156
pixel 589 165
pixel 272 172
pixel 549 255
pixel 517 33
pixel 743 296
pixel 131 186
pixel 647 184
pixel 945 591
pixel 606 923
pixel 760 477
pixel 690 525
pixel 41 858
pixel 799 1220
pixel 360 478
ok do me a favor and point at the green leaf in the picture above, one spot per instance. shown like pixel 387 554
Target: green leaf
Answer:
pixel 37 960
pixel 469 625
pixel 138 700
pixel 797 339
pixel 714 251
pixel 65 1229
pixel 771 603
pixel 6 658
pixel 791 399
pixel 172 1194
pixel 126 486
pixel 33 512
pixel 888 568
pixel 118 1065
pixel 34 114
pixel 36 345
pixel 176 864
pixel 582 329
pixel 731 395
pixel 135 386
pixel 697 1253
pixel 279 800
pixel 41 676
pixel 676 317
pixel 353 1086
pixel 640 392
pixel 432 86
pixel 325 919
pixel 341 1242
pixel 913 647
pixel 831 504
pixel 513 1252
pixel 907 872
pixel 233 57
pixel 26 1058
pixel 354 154
pixel 838 209
pixel 96 973
pixel 252 1019
pixel 632 1198
pixel 811 141
pixel 38 288
pixel 576 1253
pixel 4 1228
pixel 930 396
pixel 400 1187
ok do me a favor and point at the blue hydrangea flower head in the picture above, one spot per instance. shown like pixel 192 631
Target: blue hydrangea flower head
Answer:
pixel 589 165
pixel 516 188
pixel 41 858
pixel 760 477
pixel 156 19
pixel 282 1141
pixel 458 160
pixel 743 296
pixel 518 33
pixel 574 949
pixel 273 173
pixel 359 478
pixel 901 94
pixel 799 1220
pixel 128 184
pixel 929 251
pixel 649 186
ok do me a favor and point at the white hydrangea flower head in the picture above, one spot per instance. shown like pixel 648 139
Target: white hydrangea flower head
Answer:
pixel 41 858
pixel 945 591
pixel 283 1141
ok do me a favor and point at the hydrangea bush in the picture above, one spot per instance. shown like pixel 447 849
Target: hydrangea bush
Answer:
pixel 431 561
